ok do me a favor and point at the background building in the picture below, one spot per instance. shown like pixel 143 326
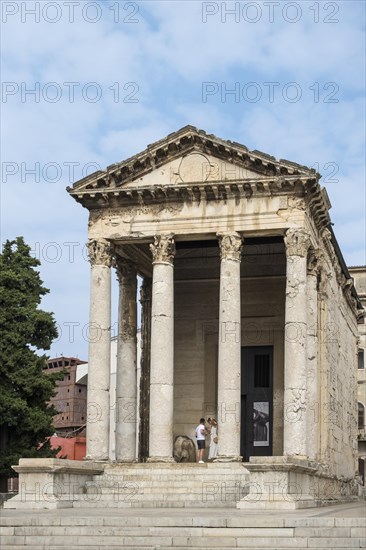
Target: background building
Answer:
pixel 71 404
pixel 359 277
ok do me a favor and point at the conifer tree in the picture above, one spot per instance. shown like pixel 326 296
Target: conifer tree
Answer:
pixel 25 415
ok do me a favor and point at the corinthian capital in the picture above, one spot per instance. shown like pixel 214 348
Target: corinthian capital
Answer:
pixel 231 245
pixel 297 242
pixel 99 252
pixel 163 249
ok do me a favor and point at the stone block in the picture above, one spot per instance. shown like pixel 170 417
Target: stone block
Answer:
pixel 204 542
pixel 263 542
pixel 49 483
pixel 325 532
pixel 333 543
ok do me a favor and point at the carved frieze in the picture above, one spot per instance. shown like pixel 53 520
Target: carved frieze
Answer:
pixel 297 203
pixel 315 261
pixel 95 215
pixel 163 249
pixel 99 252
pixel 312 263
pixel 297 242
pixel 231 246
pixel 323 283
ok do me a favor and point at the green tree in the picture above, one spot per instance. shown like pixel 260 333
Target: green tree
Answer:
pixel 25 415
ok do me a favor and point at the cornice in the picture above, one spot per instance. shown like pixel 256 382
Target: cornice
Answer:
pixel 196 192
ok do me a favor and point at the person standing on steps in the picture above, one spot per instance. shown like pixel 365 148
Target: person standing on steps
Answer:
pixel 201 440
pixel 213 439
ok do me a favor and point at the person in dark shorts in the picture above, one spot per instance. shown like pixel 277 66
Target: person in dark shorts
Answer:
pixel 201 440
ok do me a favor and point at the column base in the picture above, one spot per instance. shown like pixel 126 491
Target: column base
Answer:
pixel 163 459
pixel 89 458
pixel 228 458
pixel 125 461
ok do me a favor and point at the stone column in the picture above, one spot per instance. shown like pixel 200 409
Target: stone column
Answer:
pixel 312 395
pixel 145 300
pixel 297 243
pixel 323 376
pixel 162 350
pixel 126 383
pixel 229 388
pixel 97 430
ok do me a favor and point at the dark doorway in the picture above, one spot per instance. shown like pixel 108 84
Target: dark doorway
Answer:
pixel 361 469
pixel 256 401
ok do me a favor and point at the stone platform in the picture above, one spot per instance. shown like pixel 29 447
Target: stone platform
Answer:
pixel 54 483
pixel 279 484
pixel 341 526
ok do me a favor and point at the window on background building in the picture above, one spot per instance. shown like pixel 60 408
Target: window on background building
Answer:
pixel 361 416
pixel 361 358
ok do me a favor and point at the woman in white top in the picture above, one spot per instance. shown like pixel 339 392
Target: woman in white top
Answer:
pixel 213 439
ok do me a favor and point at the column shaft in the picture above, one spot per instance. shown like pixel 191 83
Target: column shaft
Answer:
pixel 162 351
pixel 297 243
pixel 229 387
pixel 97 431
pixel 126 382
pixel 144 410
pixel 312 396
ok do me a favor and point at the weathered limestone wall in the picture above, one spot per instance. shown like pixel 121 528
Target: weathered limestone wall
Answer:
pixel 336 410
pixel 196 346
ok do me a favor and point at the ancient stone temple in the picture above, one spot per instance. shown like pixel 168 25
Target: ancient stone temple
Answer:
pixel 248 314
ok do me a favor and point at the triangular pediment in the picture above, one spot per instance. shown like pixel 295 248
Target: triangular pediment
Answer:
pixel 194 168
pixel 190 157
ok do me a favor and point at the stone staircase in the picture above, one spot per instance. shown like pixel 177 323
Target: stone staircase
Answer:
pixel 209 528
pixel 169 485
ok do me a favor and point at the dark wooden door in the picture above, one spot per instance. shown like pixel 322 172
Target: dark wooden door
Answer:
pixel 256 401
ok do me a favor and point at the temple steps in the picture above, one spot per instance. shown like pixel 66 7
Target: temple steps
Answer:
pixel 189 530
pixel 169 485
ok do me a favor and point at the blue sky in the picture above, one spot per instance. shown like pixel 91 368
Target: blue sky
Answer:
pixel 286 78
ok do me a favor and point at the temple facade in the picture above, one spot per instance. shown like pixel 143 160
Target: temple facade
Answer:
pixel 249 313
